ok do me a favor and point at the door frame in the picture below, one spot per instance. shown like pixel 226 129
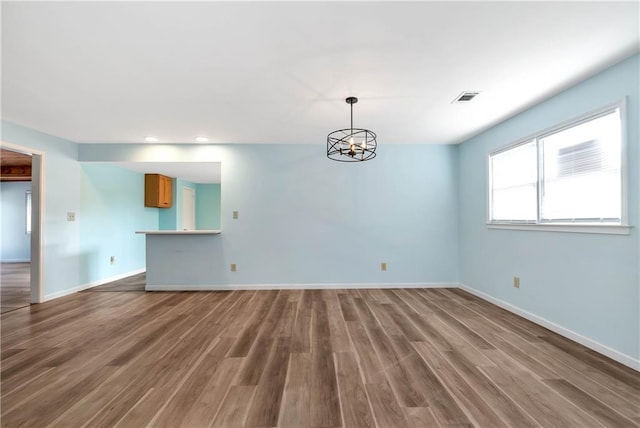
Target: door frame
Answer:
pixel 37 216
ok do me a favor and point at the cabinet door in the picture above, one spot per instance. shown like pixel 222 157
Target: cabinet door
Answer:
pixel 165 191
pixel 157 191
pixel 151 190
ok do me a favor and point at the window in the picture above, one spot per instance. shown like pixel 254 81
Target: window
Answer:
pixel 515 181
pixel 570 175
pixel 28 211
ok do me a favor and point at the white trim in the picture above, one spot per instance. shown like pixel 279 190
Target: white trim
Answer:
pixel 68 291
pixel 563 331
pixel 611 229
pixel 624 166
pixel 38 186
pixel 308 286
pixel 16 261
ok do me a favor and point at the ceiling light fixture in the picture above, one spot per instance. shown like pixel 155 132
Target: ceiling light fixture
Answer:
pixel 202 139
pixel 150 139
pixel 352 144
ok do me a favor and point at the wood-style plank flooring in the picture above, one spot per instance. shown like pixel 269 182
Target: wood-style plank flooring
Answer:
pixel 130 283
pixel 15 287
pixel 322 358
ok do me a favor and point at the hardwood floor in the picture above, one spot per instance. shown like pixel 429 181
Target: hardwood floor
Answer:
pixel 323 358
pixel 15 287
pixel 130 283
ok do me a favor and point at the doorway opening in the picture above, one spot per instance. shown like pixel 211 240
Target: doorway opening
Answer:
pixel 188 208
pixel 21 181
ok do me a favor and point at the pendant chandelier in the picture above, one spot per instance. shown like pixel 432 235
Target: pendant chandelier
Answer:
pixel 351 144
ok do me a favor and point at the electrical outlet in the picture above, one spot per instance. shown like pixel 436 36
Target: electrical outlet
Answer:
pixel 235 215
pixel 71 216
pixel 112 260
pixel 233 267
pixel 516 281
pixel 383 266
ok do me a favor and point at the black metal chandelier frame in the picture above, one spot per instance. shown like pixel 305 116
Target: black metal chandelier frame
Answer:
pixel 351 144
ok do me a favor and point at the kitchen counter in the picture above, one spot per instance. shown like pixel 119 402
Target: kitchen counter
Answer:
pixel 182 259
pixel 179 232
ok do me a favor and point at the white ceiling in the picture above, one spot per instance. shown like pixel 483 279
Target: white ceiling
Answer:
pixel 266 72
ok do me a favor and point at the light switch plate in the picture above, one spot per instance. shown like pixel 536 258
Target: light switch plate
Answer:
pixel 235 214
pixel 71 216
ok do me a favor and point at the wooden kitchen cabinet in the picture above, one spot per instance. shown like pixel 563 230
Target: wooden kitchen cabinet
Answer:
pixel 157 191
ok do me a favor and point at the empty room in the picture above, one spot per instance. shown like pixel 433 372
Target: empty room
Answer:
pixel 320 214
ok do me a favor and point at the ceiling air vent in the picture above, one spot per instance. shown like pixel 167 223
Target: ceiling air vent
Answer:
pixel 465 97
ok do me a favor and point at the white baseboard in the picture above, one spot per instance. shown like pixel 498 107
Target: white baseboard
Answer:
pixel 309 286
pixel 68 291
pixel 16 261
pixel 576 337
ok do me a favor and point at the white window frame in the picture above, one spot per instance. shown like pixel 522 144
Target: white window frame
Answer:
pixel 581 227
pixel 28 205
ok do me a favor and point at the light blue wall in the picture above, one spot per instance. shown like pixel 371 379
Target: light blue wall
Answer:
pixel 16 243
pixel 112 208
pixel 61 238
pixel 306 219
pixel 583 282
pixel 208 206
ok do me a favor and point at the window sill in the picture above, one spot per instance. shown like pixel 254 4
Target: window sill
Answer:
pixel 610 229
